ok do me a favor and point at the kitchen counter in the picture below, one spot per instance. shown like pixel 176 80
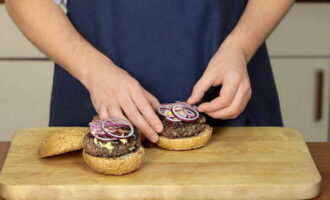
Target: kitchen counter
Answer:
pixel 319 150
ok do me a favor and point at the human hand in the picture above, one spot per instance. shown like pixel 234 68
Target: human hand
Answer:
pixel 228 68
pixel 114 93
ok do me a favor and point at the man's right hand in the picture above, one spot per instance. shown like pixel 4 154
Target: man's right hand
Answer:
pixel 114 93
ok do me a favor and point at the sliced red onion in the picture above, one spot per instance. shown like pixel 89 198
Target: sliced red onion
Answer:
pixel 108 123
pixel 184 104
pixel 163 112
pixel 179 111
pixel 173 119
pixel 190 113
pixel 101 135
pixel 104 130
pixel 117 121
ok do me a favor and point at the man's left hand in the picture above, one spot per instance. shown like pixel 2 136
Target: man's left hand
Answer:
pixel 228 68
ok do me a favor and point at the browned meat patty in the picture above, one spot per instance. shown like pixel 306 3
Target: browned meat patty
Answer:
pixel 119 148
pixel 182 129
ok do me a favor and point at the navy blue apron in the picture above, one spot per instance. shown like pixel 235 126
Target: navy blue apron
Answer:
pixel 166 45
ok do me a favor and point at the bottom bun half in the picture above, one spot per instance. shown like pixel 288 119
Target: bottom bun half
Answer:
pixel 187 143
pixel 116 166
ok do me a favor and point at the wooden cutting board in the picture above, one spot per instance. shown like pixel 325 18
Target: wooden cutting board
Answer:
pixel 238 163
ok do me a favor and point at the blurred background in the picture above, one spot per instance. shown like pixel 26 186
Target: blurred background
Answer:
pixel 300 56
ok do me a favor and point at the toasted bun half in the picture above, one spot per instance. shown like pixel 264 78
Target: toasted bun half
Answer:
pixel 62 141
pixel 115 166
pixel 187 143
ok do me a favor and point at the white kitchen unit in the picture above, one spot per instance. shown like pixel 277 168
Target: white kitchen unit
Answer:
pixel 25 81
pixel 303 86
pixel 25 88
pixel 300 56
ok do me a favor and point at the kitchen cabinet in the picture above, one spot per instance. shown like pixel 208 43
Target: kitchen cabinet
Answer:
pixel 25 81
pixel 303 86
pixel 25 88
pixel 300 56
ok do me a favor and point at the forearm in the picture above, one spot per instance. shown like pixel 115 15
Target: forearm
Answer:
pixel 46 25
pixel 258 20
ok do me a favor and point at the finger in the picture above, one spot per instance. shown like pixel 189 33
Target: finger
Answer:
pixel 152 99
pixel 247 94
pixel 227 94
pixel 115 111
pixel 103 113
pixel 240 100
pixel 199 89
pixel 146 109
pixel 136 118
pixel 246 100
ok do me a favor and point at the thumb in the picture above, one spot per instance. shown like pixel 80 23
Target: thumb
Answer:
pixel 202 85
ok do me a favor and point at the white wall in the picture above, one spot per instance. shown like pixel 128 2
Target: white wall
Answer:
pixel 25 88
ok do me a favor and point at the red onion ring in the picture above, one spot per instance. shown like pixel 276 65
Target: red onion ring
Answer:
pixel 104 130
pixel 189 112
pixel 97 124
pixel 115 120
pixel 161 110
pixel 179 111
pixel 101 136
pixel 166 111
pixel 187 105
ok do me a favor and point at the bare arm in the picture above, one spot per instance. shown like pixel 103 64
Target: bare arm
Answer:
pixel 257 22
pixel 228 67
pixel 46 25
pixel 113 91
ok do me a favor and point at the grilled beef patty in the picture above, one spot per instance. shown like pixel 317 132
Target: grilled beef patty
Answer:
pixel 118 147
pixel 182 129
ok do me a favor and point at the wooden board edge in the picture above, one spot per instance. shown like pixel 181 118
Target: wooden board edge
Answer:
pixel 10 192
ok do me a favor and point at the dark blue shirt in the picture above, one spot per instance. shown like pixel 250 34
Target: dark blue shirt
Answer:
pixel 166 45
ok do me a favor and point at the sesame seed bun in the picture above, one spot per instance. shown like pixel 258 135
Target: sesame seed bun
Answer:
pixel 63 141
pixel 116 166
pixel 187 143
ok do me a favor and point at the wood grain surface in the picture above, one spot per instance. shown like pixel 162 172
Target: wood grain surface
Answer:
pixel 250 163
